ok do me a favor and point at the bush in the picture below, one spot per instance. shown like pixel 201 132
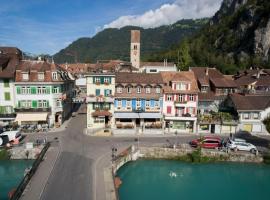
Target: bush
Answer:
pixel 267 124
pixel 4 154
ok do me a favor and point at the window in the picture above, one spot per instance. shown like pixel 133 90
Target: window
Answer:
pixel 191 97
pixel 42 104
pixel 181 98
pixel 147 103
pixel 58 103
pixel 7 96
pixel 40 76
pixel 191 110
pixel 119 89
pixel 245 115
pixel 119 103
pixel 156 103
pixel 107 93
pixel 129 90
pixel 97 80
pixel 55 89
pixel 158 90
pixel 181 86
pixel 148 90
pixel 128 103
pixel 169 97
pixel 135 47
pixel 28 90
pixel 152 70
pixel 106 80
pixel 25 76
pixel 26 104
pixel 97 92
pixel 169 109
pixel 6 83
pixel 138 103
pixel 41 90
pixel 54 75
pixel 139 89
pixel 255 115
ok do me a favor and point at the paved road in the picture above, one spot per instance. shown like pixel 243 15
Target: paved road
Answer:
pixel 78 172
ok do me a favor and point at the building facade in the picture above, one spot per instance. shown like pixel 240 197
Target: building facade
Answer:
pixel 43 92
pixel 100 100
pixel 138 103
pixel 9 58
pixel 180 101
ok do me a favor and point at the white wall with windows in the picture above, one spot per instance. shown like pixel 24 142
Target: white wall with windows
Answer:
pixel 7 96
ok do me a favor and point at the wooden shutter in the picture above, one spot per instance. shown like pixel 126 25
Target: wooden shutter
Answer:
pixel 33 90
pixel 18 90
pixel 34 104
pixel 169 109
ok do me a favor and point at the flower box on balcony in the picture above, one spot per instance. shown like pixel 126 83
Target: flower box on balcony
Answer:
pixel 106 83
pixel 97 83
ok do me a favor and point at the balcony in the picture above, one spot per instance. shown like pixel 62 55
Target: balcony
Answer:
pixel 33 109
pixel 93 99
pixel 180 103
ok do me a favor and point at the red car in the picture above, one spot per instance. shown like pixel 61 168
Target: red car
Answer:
pixel 208 142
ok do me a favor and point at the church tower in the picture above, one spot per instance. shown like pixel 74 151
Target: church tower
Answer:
pixel 135 48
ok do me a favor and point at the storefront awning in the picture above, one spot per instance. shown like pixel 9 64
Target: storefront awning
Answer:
pixel 150 115
pixel 126 115
pixel 31 117
pixel 133 115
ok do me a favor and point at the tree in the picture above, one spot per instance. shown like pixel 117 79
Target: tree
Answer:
pixel 184 56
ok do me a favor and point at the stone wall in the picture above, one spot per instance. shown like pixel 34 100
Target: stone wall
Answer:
pixel 170 153
pixel 21 152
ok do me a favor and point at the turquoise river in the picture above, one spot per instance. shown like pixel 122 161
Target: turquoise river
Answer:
pixel 175 180
pixel 11 173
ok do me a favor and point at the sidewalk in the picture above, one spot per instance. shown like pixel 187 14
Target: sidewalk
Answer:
pixel 38 182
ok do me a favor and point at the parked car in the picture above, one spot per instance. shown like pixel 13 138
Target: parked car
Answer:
pixel 241 145
pixel 209 142
pixel 12 135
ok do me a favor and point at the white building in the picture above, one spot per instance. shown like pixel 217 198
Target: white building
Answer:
pixel 156 67
pixel 44 93
pixel 100 100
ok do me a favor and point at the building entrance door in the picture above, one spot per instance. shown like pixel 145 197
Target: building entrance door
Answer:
pixel 138 122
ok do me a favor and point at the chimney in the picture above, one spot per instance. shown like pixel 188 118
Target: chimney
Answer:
pixel 207 71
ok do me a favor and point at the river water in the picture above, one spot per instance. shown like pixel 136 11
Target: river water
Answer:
pixel 175 180
pixel 11 173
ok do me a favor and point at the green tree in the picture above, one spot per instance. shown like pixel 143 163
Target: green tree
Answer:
pixel 184 56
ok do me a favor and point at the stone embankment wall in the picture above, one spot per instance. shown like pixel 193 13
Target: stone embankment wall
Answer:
pixel 171 153
pixel 21 152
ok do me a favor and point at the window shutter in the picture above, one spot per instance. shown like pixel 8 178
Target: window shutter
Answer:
pixel 19 104
pixel 194 111
pixel 47 103
pixel 115 102
pixel 33 90
pixel 174 86
pixel 48 90
pixel 34 104
pixel 102 80
pixel 18 90
pixel 187 110
pixel 172 97
pixel 169 109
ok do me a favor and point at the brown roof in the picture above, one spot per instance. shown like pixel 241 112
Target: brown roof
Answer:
pixel 252 102
pixel 33 67
pixel 185 76
pixel 99 113
pixel 209 96
pixel 247 77
pixel 9 58
pixel 138 78
pixel 78 67
pixel 223 82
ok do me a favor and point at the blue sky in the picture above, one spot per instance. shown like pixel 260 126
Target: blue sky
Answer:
pixel 47 26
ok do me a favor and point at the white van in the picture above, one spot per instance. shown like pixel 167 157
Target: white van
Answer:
pixel 12 135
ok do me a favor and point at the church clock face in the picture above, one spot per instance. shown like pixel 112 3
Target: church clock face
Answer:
pixel 135 53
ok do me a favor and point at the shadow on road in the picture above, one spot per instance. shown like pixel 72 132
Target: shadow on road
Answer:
pixel 257 141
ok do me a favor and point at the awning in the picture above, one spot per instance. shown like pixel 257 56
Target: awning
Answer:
pixel 126 115
pixel 133 115
pixel 150 115
pixel 101 113
pixel 31 117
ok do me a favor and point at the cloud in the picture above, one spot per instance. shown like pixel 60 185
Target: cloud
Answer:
pixel 169 13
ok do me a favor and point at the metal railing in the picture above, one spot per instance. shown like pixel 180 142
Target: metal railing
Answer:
pixel 33 109
pixel 17 194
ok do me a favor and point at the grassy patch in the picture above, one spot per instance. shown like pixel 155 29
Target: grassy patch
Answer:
pixel 4 154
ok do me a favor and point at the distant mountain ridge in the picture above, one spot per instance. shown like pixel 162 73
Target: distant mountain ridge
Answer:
pixel 237 37
pixel 114 43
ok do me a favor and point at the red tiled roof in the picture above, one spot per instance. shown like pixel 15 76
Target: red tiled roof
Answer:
pixel 223 82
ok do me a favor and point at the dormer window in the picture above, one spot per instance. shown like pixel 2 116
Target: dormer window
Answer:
pixel 119 89
pixel 181 86
pixel 41 76
pixel 129 90
pixel 25 76
pixel 54 75
pixel 158 90
pixel 148 90
pixel 139 89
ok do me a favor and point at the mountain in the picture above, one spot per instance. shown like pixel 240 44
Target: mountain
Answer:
pixel 114 43
pixel 237 37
